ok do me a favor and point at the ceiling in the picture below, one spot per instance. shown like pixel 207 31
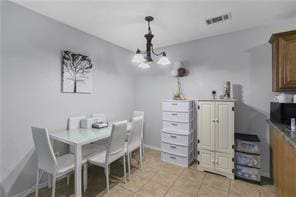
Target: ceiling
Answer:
pixel 122 22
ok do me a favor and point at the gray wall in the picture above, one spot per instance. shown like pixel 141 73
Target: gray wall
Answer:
pixel 31 85
pixel 242 57
pixel 1 188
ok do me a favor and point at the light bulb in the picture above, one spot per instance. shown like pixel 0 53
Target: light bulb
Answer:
pixel 164 60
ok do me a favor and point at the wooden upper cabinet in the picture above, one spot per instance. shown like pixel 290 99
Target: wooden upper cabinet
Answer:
pixel 283 61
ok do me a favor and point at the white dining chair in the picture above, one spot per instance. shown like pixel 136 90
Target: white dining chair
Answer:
pixel 88 149
pixel 48 162
pixel 114 151
pixel 101 117
pixel 135 141
pixel 137 114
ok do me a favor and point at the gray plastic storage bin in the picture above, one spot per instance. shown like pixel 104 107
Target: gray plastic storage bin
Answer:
pixel 247 160
pixel 248 146
pixel 252 174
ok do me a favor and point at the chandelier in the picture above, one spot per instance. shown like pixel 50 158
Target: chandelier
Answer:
pixel 143 58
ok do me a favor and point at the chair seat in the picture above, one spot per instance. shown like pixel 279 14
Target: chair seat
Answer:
pixel 66 163
pixel 131 146
pixel 99 158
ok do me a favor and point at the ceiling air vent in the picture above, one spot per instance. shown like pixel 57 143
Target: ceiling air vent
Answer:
pixel 218 19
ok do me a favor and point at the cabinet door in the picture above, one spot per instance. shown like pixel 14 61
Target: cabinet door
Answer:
pixel 206 126
pixel 206 160
pixel 224 134
pixel 224 163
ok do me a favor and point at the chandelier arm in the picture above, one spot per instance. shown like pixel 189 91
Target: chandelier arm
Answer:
pixel 157 54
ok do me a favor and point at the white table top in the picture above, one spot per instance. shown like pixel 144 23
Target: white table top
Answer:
pixel 83 136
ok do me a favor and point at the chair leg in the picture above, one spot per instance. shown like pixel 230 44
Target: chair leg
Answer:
pixel 53 185
pixel 124 169
pixel 107 178
pixel 128 163
pixel 37 183
pixel 141 156
pixel 84 177
pixel 68 179
pixel 49 180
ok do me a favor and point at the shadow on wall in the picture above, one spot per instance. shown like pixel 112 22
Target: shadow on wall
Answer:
pixel 19 178
pixel 251 121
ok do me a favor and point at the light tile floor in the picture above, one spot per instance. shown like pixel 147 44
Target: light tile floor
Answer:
pixel 158 178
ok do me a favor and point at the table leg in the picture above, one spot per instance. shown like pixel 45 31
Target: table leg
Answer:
pixel 78 171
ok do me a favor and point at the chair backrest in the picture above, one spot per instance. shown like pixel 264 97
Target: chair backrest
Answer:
pixel 138 113
pixel 136 131
pixel 117 139
pixel 46 158
pixel 74 122
pixel 100 117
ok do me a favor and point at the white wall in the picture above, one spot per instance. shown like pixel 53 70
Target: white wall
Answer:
pixel 31 86
pixel 242 57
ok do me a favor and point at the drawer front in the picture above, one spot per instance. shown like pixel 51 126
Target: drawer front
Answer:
pixel 174 159
pixel 247 159
pixel 181 127
pixel 177 149
pixel 177 139
pixel 176 106
pixel 177 116
pixel 247 147
pixel 247 173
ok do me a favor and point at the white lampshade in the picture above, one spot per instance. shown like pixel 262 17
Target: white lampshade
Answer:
pixel 164 60
pixel 144 65
pixel 138 58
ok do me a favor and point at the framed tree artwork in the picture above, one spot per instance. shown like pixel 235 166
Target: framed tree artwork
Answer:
pixel 76 73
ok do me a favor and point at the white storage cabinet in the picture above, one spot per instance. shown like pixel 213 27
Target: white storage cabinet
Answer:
pixel 177 135
pixel 215 138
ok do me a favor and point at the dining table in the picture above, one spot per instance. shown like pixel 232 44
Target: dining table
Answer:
pixel 77 138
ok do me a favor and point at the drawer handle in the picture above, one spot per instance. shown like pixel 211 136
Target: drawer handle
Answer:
pixel 174 114
pixel 174 147
pixel 174 103
pixel 174 124
pixel 172 157
pixel 173 136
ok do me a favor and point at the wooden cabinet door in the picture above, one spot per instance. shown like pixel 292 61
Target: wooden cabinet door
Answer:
pixel 223 163
pixel 224 134
pixel 206 126
pixel 284 61
pixel 287 62
pixel 206 160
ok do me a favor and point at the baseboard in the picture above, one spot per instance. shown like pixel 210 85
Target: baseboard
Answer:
pixel 152 147
pixel 31 190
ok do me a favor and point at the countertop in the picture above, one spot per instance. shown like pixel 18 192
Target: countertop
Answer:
pixel 283 130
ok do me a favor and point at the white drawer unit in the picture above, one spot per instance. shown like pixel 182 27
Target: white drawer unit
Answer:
pixel 177 135
pixel 177 159
pixel 177 116
pixel 180 127
pixel 177 139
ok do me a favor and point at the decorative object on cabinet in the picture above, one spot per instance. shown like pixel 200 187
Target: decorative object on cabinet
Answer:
pixel 214 94
pixel 76 73
pixel 178 71
pixel 215 123
pixel 227 90
pixel 247 157
pixel 283 61
pixel 177 136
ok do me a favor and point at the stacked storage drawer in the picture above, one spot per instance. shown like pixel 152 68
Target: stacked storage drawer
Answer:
pixel 177 136
pixel 247 157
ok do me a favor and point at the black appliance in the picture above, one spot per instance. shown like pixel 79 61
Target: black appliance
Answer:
pixel 282 112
